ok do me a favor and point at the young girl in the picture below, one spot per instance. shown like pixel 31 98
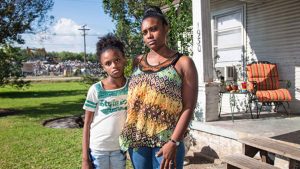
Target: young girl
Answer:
pixel 162 95
pixel 105 109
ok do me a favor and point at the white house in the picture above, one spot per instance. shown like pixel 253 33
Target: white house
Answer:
pixel 239 32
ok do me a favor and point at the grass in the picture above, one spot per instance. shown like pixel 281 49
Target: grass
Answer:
pixel 24 142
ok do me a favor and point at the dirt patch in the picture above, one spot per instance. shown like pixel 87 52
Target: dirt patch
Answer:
pixel 65 122
pixel 8 112
pixel 195 161
pixel 202 163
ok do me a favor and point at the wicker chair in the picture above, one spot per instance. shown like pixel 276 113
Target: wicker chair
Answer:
pixel 264 87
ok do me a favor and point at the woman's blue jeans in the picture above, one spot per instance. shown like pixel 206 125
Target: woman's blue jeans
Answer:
pixel 144 157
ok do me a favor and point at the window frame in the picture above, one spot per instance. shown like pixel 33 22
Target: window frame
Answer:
pixel 238 9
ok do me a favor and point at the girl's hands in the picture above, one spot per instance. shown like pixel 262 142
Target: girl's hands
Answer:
pixel 168 151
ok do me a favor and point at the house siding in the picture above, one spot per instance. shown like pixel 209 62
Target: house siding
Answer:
pixel 297 83
pixel 272 34
pixel 220 5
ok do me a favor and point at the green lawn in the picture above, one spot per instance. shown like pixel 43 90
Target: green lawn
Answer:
pixel 24 142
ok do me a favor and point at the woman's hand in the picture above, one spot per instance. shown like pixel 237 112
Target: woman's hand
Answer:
pixel 168 151
pixel 86 164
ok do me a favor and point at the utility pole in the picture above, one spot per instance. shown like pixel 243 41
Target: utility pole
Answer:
pixel 84 29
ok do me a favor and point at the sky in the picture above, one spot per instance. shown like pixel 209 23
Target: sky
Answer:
pixel 69 16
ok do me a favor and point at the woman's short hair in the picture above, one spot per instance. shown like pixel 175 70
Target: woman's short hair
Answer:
pixel 154 11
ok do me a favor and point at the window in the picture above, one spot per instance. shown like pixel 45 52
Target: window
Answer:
pixel 228 41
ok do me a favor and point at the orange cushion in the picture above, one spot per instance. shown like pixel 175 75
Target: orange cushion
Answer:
pixel 266 76
pixel 273 95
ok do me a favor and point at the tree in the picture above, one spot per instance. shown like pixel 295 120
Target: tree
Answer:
pixel 128 15
pixel 11 66
pixel 17 17
pixel 181 21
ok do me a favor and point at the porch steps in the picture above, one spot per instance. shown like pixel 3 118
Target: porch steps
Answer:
pixel 244 162
pixel 270 145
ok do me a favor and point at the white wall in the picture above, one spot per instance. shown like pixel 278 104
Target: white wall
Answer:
pixel 272 34
pixel 273 30
pixel 218 5
pixel 297 83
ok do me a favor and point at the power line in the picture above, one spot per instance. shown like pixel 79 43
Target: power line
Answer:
pixel 55 34
pixel 84 1
pixel 62 44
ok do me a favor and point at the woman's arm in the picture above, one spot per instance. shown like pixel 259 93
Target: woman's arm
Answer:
pixel 189 96
pixel 86 163
pixel 186 67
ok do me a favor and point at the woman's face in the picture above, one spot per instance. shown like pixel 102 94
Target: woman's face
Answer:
pixel 154 33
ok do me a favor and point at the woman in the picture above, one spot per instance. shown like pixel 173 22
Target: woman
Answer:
pixel 162 96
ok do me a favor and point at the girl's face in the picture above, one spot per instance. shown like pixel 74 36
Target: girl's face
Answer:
pixel 113 63
pixel 154 33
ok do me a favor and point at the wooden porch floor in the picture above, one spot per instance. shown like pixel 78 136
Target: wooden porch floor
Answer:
pixel 279 126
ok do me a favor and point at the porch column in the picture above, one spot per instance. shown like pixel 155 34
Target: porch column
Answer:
pixel 207 109
pixel 202 47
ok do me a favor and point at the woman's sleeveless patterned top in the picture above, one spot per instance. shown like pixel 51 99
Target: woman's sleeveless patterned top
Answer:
pixel 154 104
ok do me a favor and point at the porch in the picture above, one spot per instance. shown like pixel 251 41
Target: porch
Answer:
pixel 217 139
pixel 232 34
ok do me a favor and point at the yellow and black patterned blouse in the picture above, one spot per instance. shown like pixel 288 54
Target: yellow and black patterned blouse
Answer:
pixel 154 104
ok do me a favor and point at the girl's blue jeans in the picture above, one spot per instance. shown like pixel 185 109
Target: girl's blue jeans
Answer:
pixel 108 159
pixel 144 157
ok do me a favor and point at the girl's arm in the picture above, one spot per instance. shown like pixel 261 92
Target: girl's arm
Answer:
pixel 86 163
pixel 186 67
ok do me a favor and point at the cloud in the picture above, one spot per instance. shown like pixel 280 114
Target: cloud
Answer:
pixel 63 36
